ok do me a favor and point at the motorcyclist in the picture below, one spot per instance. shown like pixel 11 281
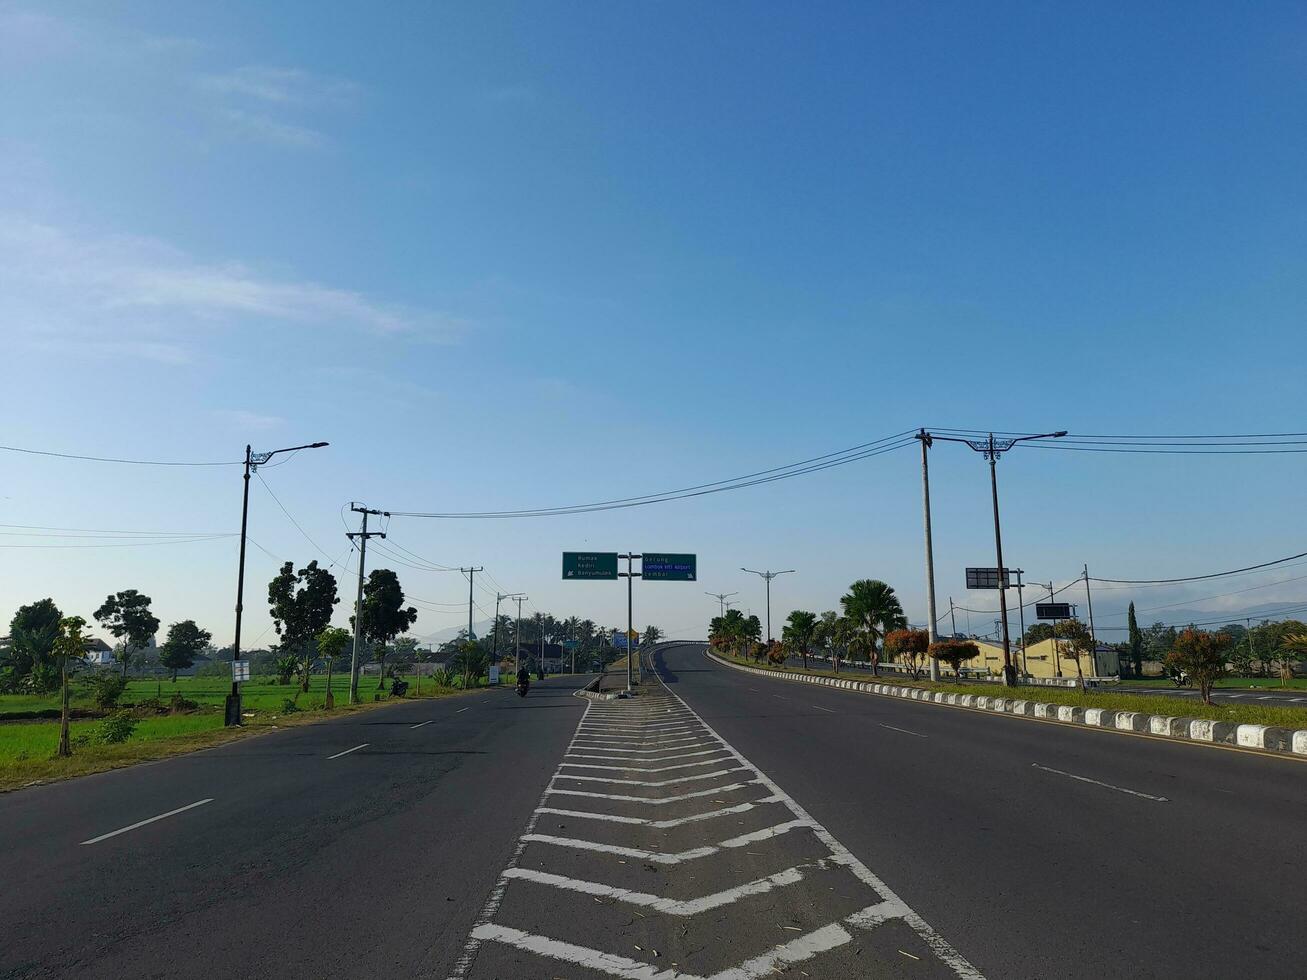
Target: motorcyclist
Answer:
pixel 523 677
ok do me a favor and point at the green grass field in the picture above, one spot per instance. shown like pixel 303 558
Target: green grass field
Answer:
pixel 1243 714
pixel 27 747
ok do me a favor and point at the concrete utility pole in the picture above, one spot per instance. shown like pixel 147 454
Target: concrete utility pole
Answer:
pixel 1093 640
pixel 1021 609
pixel 517 637
pixel 363 536
pixel 952 617
pixel 991 449
pixel 470 572
pixel 925 440
pixel 1057 661
pixel 767 576
pixel 630 577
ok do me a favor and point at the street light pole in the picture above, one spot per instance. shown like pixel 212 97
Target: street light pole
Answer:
pixel 767 576
pixel 253 460
pixel 630 577
pixel 517 636
pixel 499 597
pixel 991 449
pixel 721 598
pixel 363 534
pixel 931 632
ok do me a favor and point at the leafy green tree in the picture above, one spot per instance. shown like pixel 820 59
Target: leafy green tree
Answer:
pixel 955 653
pixel 384 615
pixel 1136 643
pixel 28 663
pixel 1037 633
pixel 1076 643
pixel 471 661
pixel 1158 640
pixel 127 616
pixel 185 642
pixel 800 633
pixel 752 635
pixel 332 642
pixel 838 634
pixel 1201 656
pixel 69 645
pixel 301 604
pixel 875 609
pixel 286 665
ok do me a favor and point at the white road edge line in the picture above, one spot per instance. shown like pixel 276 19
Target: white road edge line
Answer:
pixel 142 823
pixel 348 751
pixel 820 708
pixel 421 724
pixel 1086 779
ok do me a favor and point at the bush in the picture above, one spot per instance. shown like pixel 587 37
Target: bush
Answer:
pixel 289 707
pixel 106 688
pixel 149 706
pixel 178 704
pixel 118 727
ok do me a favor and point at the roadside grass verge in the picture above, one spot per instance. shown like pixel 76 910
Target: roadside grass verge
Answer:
pixel 1241 714
pixel 1228 683
pixel 27 748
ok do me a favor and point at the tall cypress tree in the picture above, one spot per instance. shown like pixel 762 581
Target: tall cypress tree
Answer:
pixel 1136 644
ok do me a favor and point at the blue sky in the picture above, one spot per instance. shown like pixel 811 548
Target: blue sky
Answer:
pixel 628 247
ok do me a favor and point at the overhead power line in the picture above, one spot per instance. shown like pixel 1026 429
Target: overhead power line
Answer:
pixel 114 459
pixel 813 465
pixel 1198 578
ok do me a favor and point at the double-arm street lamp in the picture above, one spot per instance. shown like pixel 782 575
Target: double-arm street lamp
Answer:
pixel 253 461
pixel 991 448
pixel 767 576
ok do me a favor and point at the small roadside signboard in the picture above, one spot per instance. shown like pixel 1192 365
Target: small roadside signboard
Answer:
pixel 987 578
pixel 240 670
pixel 590 565
pixel 669 568
pixel 1052 610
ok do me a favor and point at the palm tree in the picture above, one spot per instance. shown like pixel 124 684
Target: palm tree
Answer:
pixel 800 632
pixel 875 609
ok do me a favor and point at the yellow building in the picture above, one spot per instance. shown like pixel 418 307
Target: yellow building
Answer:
pixel 1038 660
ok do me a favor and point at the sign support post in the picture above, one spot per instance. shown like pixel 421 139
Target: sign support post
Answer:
pixel 630 577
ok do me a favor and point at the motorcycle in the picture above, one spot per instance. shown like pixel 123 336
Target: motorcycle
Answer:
pixel 523 688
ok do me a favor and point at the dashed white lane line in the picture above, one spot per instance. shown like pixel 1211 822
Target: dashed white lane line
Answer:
pixel 779 698
pixel 1086 779
pixel 904 731
pixel 422 724
pixel 461 710
pixel 820 708
pixel 149 820
pixel 348 751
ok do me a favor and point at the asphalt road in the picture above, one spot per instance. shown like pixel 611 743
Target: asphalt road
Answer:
pixel 718 825
pixel 985 825
pixel 310 860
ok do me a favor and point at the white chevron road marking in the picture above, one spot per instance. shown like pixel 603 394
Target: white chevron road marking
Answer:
pixel 662 801
pixel 653 782
pixel 662 824
pixel 658 857
pixel 672 906
pixel 683 765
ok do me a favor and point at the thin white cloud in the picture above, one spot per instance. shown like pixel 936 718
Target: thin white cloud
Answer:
pixel 274 131
pixel 239 418
pixel 283 86
pixel 55 285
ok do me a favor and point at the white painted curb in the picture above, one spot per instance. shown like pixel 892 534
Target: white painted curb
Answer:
pixel 1265 738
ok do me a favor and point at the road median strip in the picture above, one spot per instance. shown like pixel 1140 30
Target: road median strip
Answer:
pixel 1262 738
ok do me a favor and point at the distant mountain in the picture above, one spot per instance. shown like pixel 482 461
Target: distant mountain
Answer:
pixel 442 636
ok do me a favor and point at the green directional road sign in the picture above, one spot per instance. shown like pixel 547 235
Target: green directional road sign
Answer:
pixel 590 565
pixel 669 568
